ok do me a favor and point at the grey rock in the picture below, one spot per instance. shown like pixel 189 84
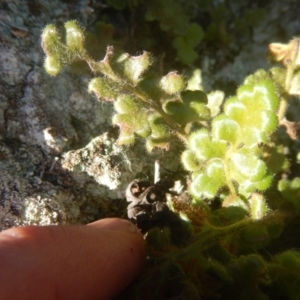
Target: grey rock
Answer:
pixel 59 159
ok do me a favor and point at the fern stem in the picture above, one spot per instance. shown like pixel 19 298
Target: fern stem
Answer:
pixel 179 132
pixel 227 171
pixel 172 124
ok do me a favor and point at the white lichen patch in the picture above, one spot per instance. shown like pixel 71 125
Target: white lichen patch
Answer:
pixel 41 211
pixel 53 140
pixel 52 210
pixel 96 161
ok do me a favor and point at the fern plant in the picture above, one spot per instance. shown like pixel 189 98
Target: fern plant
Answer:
pixel 230 157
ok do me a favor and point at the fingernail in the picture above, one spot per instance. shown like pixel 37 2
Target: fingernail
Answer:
pixel 132 228
pixel 116 225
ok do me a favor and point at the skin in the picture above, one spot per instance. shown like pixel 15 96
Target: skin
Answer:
pixel 96 261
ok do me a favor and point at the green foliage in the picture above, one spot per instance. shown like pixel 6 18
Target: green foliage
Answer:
pixel 180 28
pixel 174 19
pixel 169 13
pixel 229 155
pixel 233 152
pixel 254 269
pixel 290 190
pixel 284 271
pixel 190 108
pixel 60 53
pixel 220 260
pixel 185 44
pixel 122 78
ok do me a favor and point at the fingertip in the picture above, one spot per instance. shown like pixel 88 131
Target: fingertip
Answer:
pixel 115 224
pixel 94 261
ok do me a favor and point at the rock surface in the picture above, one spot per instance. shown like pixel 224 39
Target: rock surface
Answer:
pixel 59 159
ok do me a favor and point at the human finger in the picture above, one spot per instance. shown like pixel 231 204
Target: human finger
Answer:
pixel 70 262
